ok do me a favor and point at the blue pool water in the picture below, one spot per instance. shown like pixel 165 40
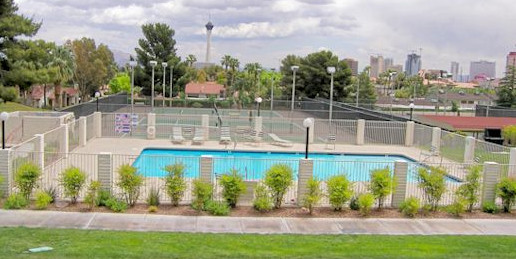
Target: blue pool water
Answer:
pixel 253 165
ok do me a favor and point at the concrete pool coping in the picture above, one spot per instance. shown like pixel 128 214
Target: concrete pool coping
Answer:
pixel 255 225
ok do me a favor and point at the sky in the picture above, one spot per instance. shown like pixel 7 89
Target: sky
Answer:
pixel 265 31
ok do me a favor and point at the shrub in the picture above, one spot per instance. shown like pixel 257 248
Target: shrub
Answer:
pixel 92 197
pixel 9 94
pixel 52 192
pixel 116 205
pixel 506 190
pixel 103 197
pixel 152 209
pixel 457 207
pixel 469 191
pixel 130 182
pixel 490 207
pixel 175 184
pixel 16 201
pixel 232 187
pixel 339 191
pixel 72 180
pixel 202 193
pixel 218 208
pixel 278 178
pixel 262 200
pixel 197 105
pixel 365 203
pixel 1 182
pixel 381 185
pixel 313 194
pixel 26 178
pixel 42 200
pixel 410 207
pixel 432 182
pixel 153 198
pixel 353 203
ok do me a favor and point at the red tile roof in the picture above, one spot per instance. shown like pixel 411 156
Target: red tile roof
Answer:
pixel 467 123
pixel 204 88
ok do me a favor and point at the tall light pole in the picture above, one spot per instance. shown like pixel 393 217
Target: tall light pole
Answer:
pixel 259 73
pixel 331 70
pixel 132 64
pixel 294 70
pixel 3 116
pixel 272 89
pixel 171 84
pixel 153 63
pixel 164 65
pixel 358 90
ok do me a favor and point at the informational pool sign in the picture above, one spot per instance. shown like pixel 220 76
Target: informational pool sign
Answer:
pixel 123 122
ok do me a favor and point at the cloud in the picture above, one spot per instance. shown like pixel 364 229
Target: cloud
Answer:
pixel 130 15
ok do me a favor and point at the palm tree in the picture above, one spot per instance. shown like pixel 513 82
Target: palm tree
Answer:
pixel 233 64
pixel 225 62
pixel 191 59
pixel 62 62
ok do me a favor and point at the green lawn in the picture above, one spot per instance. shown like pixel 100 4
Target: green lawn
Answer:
pixel 12 107
pixel 112 244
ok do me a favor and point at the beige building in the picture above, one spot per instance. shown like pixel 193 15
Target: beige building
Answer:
pixel 353 65
pixel 377 66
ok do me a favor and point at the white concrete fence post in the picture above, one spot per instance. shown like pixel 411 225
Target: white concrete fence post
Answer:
pixel 151 125
pixel 40 150
pixel 5 171
pixel 491 178
pixel 83 132
pixel 409 134
pixel 436 138
pixel 105 170
pixel 512 163
pixel 469 151
pixel 258 124
pixel 306 171
pixel 97 120
pixel 360 131
pixel 400 176
pixel 206 168
pixel 205 122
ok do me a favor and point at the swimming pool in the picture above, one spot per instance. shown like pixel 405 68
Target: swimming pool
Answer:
pixel 253 165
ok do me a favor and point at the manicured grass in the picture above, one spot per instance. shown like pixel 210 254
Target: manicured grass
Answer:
pixel 12 107
pixel 113 244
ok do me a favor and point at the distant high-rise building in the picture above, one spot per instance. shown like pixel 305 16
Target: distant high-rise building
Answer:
pixel 413 64
pixel 511 60
pixel 377 66
pixel 455 71
pixel 388 62
pixel 482 68
pixel 353 65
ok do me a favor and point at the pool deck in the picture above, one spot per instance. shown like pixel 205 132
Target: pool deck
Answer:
pixel 255 225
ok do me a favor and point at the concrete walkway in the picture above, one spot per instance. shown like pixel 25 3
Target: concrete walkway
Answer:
pixel 248 225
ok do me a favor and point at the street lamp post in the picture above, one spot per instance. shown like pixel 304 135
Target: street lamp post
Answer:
pixel 3 116
pixel 358 91
pixel 258 101
pixel 272 89
pixel 331 70
pixel 97 95
pixel 294 70
pixel 307 123
pixel 164 65
pixel 411 106
pixel 132 64
pixel 259 73
pixel 171 84
pixel 153 63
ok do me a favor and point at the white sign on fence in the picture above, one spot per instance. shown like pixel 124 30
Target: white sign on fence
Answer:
pixel 123 122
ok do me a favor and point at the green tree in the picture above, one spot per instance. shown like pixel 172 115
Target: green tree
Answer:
pixel 120 83
pixel 507 88
pixel 366 89
pixel 63 67
pixel 191 59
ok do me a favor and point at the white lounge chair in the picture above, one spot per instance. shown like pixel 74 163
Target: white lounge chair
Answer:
pixel 332 139
pixel 279 141
pixel 225 135
pixel 426 156
pixel 177 136
pixel 198 136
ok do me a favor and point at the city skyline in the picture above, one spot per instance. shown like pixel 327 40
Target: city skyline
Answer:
pixel 267 31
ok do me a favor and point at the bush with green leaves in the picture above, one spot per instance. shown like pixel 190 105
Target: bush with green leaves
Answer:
pixel 42 200
pixel 103 197
pixel 16 201
pixel 232 187
pixel 175 184
pixel 457 207
pixel 262 201
pixel 432 181
pixel 410 207
pixel 339 191
pixel 26 178
pixel 93 194
pixel 153 198
pixel 202 193
pixel 152 209
pixel 278 178
pixel 365 203
pixel 490 207
pixel 52 192
pixel 470 190
pixel 353 203
pixel 382 184
pixel 72 180
pixel 9 94
pixel 506 190
pixel 130 182
pixel 313 194
pixel 116 205
pixel 218 208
